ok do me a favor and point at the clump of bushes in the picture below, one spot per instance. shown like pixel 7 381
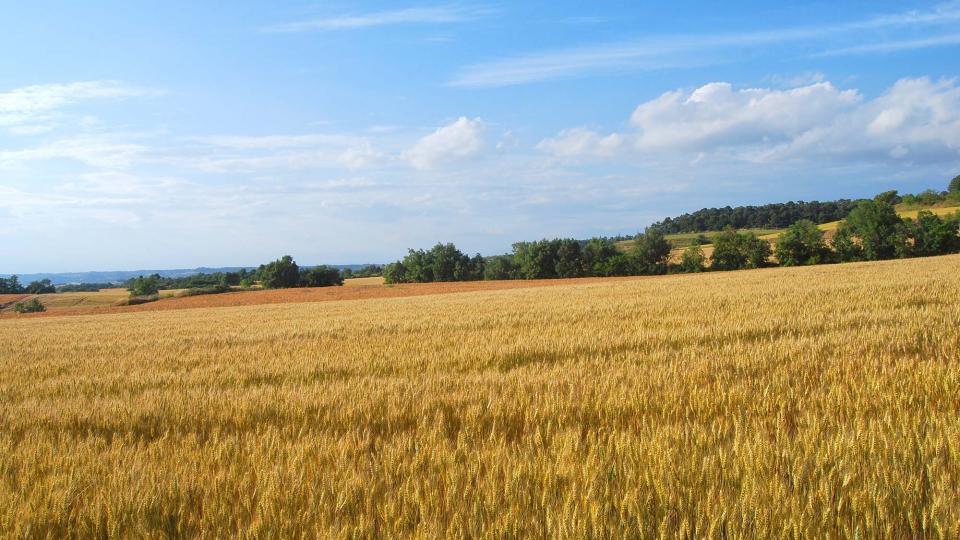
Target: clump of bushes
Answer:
pixel 137 300
pixel 199 291
pixel 33 306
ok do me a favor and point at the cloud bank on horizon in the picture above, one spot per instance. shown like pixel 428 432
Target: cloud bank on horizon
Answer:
pixel 350 135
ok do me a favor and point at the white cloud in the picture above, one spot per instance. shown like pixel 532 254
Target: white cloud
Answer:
pixel 246 153
pixel 916 117
pixel 715 115
pixel 577 142
pixel 461 139
pixel 106 151
pixel 32 103
pixel 896 45
pixel 422 15
pixel 689 50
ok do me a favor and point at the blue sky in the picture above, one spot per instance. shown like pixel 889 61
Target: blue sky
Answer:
pixel 180 134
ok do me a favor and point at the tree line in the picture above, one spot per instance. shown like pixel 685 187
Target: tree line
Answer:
pixel 768 216
pixel 543 259
pixel 871 231
pixel 282 273
pixel 781 215
pixel 12 285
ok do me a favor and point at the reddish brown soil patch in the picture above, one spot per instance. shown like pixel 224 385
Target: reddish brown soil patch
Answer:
pixel 320 294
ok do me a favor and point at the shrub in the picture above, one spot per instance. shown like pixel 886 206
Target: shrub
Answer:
pixel 33 306
pixel 693 259
pixel 198 291
pixel 137 300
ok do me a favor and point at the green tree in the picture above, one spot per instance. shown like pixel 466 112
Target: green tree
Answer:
pixel 890 197
pixel 473 268
pixel 845 246
pixel 395 273
pixel 569 262
pixel 444 260
pixel 43 286
pixel 727 252
pixel 651 251
pixel 620 264
pixel 536 260
pixel 758 250
pixel 927 235
pixel 10 285
pixel 929 197
pixel 282 273
pixel 320 276
pixel 595 254
pixel 875 224
pixel 954 186
pixel 693 259
pixel 734 251
pixel 144 286
pixel 500 267
pixel 802 243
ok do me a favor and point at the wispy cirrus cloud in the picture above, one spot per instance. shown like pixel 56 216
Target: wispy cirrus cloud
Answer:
pixel 30 103
pixel 898 45
pixel 691 50
pixel 415 15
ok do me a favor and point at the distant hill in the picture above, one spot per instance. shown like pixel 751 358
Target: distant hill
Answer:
pixel 767 216
pixel 119 276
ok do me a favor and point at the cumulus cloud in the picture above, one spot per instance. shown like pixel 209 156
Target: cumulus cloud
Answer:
pixel 914 117
pixel 576 142
pixel 715 115
pixel 461 139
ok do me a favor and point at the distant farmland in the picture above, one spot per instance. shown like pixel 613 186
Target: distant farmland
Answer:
pixel 809 402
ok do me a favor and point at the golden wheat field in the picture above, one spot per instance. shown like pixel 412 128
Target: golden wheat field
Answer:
pixel 815 402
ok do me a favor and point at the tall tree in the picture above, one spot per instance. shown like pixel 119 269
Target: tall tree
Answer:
pixel 320 276
pixel 651 251
pixel 802 243
pixel 282 273
pixel 693 259
pixel 954 186
pixel 875 224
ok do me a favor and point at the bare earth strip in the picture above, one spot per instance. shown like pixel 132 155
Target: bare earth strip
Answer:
pixel 374 288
